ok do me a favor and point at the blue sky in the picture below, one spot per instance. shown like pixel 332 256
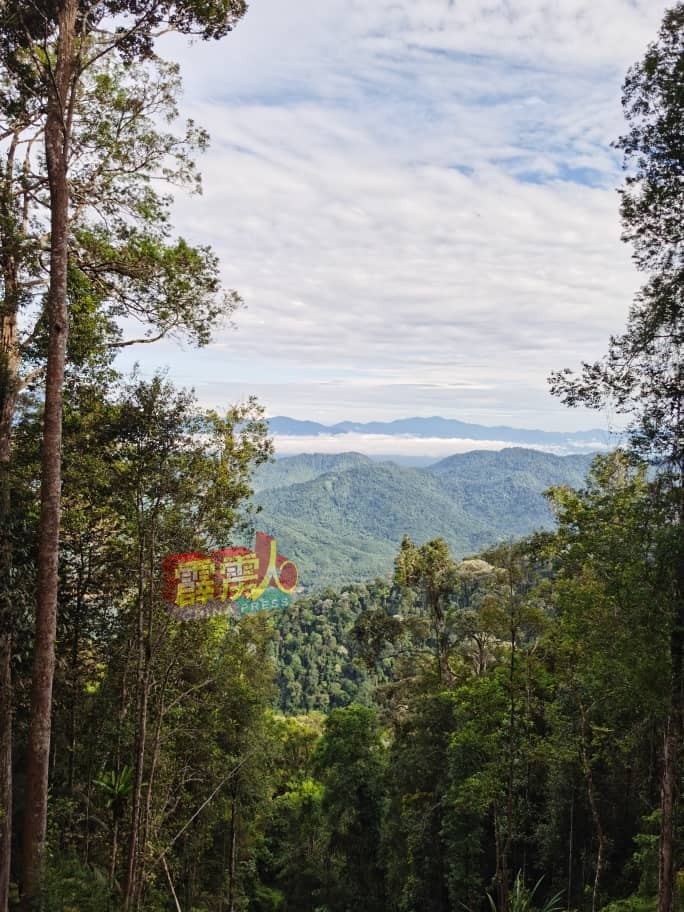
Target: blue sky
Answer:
pixel 416 201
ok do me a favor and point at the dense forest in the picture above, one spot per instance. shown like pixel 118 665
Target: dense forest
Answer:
pixel 342 518
pixel 499 729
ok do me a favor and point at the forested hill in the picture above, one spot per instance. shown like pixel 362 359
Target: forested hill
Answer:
pixel 342 517
pixel 305 467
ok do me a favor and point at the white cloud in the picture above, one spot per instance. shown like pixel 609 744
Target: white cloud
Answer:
pixel 381 445
pixel 413 195
pixel 403 445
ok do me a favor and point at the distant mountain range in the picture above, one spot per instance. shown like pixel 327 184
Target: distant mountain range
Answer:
pixel 444 428
pixel 342 517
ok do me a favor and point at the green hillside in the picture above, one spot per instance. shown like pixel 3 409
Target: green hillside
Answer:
pixel 504 489
pixel 345 525
pixel 304 467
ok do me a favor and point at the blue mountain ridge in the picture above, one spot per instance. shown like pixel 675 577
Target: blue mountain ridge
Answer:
pixel 439 427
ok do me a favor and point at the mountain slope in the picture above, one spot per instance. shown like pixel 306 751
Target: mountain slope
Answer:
pixel 304 467
pixel 346 525
pixel 504 489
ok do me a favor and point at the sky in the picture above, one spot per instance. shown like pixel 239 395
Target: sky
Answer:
pixel 416 200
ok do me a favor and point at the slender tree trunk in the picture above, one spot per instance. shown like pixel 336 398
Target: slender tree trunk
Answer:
pixel 673 726
pixel 171 887
pixel 149 791
pixel 670 776
pixel 232 851
pixel 501 893
pixel 6 612
pixel 442 636
pixel 510 779
pixel 38 748
pixel 666 859
pixel 508 841
pixel 115 847
pixel 89 788
pixel 9 383
pixel 13 231
pixel 132 871
pixel 571 837
pixel 121 715
pixel 595 814
pixel 74 682
pixel 5 767
pixel 132 874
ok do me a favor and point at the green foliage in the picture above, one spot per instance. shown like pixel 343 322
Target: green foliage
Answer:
pixel 161 475
pixel 116 786
pixel 522 899
pixel 653 102
pixel 343 518
pixel 396 789
pixel 641 374
pixel 317 658
pixel 71 886
pixel 645 858
pixel 475 718
pixel 351 761
pixel 632 904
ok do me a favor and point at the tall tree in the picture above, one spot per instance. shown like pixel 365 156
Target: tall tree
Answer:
pixel 643 372
pixel 181 477
pixel 350 758
pixel 47 48
pixel 137 695
pixel 18 128
pixel 609 638
pixel 431 571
